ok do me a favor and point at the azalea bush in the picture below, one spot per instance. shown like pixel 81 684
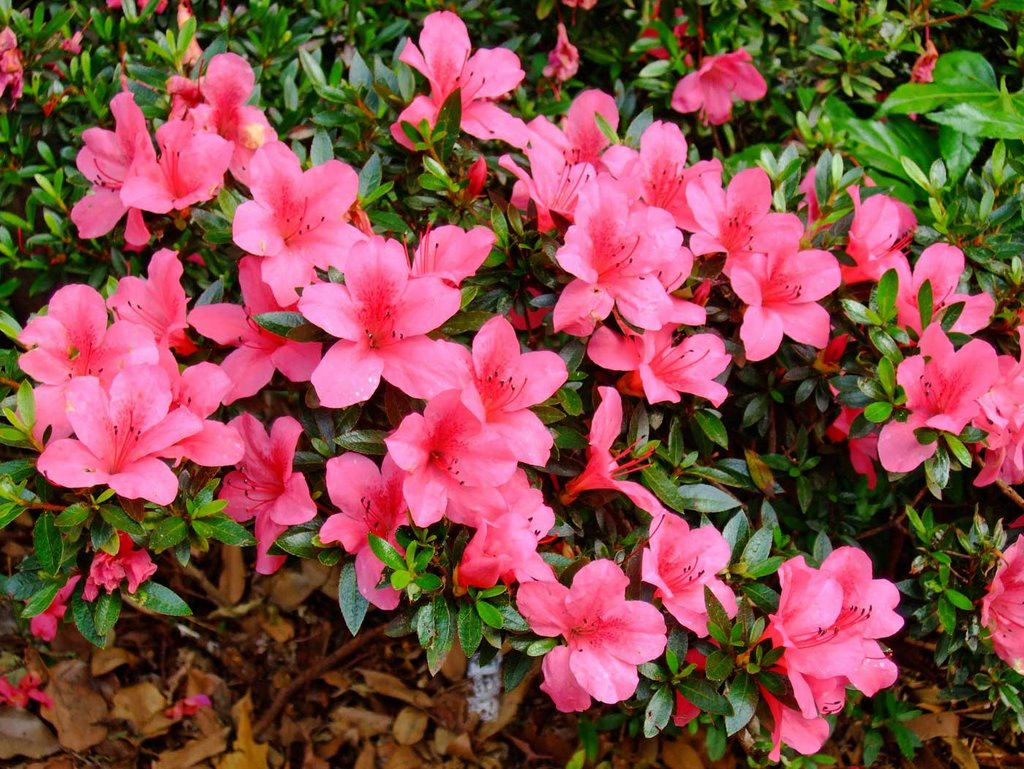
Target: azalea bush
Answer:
pixel 671 365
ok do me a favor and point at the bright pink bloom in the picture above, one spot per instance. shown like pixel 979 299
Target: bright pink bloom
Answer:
pixel 781 290
pixel 659 171
pixel 564 59
pixel 160 7
pixel 371 502
pixel 265 486
pixel 659 370
pixel 942 266
pixel 1002 608
pixel 158 303
pixel 26 690
pixel 553 185
pixel 791 728
pixel 880 229
pixel 381 317
pixel 477 175
pixel 580 138
pixel 505 545
pixel 606 635
pixel 924 68
pixel 629 258
pixel 1001 415
pixel 201 389
pixel 44 625
pixel 109 571
pixel 603 470
pixel 503 383
pixel 586 5
pixel 680 563
pixel 450 458
pixel 259 352
pixel 738 220
pixel 73 340
pixel 710 89
pixel 226 86
pixel 190 170
pixel 443 57
pixel 863 451
pixel 106 160
pixel 121 432
pixel 943 388
pixel 829 620
pixel 12 73
pixel 452 253
pixel 297 219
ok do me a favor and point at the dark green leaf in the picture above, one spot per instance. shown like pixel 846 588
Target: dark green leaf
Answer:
pixel 353 604
pixel 704 696
pixel 162 600
pixel 106 610
pixel 658 711
pixel 223 529
pixel 743 697
pixel 470 629
pixel 48 544
pixel 386 552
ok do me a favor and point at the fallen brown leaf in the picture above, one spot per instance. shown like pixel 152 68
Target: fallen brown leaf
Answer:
pixel 232 575
pixel 403 757
pixel 24 734
pixel 932 725
pixel 77 708
pixel 194 752
pixel 281 629
pixel 367 758
pixel 962 754
pixel 390 686
pixel 246 753
pixel 105 660
pixel 410 726
pixel 365 723
pixel 679 755
pixel 290 587
pixel 142 706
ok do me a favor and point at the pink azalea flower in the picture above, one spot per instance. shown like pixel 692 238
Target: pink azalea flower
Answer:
pixel 381 317
pixel 109 571
pixel 659 171
pixel 828 621
pixel 443 57
pixel 265 486
pixel 505 545
pixel 586 5
pixel 552 185
pixel 106 160
pixel 451 459
pixel 606 635
pixel 73 340
pixel 881 227
pixel 27 689
pixel 680 563
pixel 371 502
pixel 738 220
pixel 190 170
pixel 44 626
pixel 580 138
pixel 296 220
pixel 564 59
pixel 710 89
pixel 452 253
pixel 863 451
pixel 629 258
pixel 1002 608
pixel 603 470
pixel 226 86
pixel 1001 415
pixel 12 73
pixel 942 266
pixel 794 730
pixel 201 389
pixel 259 353
pixel 943 388
pixel 659 370
pixel 121 432
pixel 924 67
pixel 781 290
pixel 157 303
pixel 503 383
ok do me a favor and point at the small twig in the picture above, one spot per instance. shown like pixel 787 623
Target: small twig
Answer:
pixel 212 590
pixel 328 663
pixel 1010 492
pixel 882 527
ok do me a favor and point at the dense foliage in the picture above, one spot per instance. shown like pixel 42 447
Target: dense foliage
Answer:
pixel 677 356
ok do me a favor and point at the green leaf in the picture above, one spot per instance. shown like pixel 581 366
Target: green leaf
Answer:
pixel 280 323
pixel 26 404
pixel 658 711
pixel 703 695
pixel 73 515
pixel 48 544
pixel 702 497
pixel 888 286
pixel 40 600
pixel 106 610
pixel 386 552
pixel 223 529
pixel 298 542
pixel 470 629
pixel 489 614
pixel 353 604
pixel 718 666
pixel 449 120
pixel 878 412
pixel 444 634
pixel 120 520
pixel 162 600
pixel 712 427
pixel 81 613
pixel 321 150
pixel 743 697
pixel 758 547
pixel 962 454
pixel 716 612
pixel 166 534
pixel 958 599
pixel 515 666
